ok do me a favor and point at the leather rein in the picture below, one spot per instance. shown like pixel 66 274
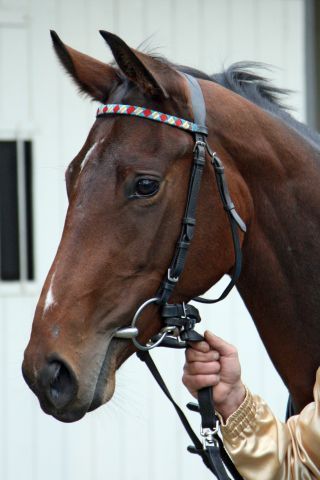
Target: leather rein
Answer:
pixel 180 319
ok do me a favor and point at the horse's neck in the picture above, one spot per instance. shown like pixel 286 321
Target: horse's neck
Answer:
pixel 280 282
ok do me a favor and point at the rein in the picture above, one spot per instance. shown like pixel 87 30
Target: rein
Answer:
pixel 180 318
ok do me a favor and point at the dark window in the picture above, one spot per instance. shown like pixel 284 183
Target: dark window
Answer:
pixel 16 222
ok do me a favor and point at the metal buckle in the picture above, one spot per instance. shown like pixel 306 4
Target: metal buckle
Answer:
pixel 170 278
pixel 199 143
pixel 208 436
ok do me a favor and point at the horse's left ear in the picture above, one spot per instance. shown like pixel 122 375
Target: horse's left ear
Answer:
pixel 151 75
pixel 93 77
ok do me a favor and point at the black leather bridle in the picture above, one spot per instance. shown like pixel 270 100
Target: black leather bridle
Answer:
pixel 180 319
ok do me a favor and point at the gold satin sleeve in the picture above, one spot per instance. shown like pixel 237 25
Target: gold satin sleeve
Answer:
pixel 263 448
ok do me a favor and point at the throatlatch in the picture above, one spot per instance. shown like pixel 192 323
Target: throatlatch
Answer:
pixel 180 319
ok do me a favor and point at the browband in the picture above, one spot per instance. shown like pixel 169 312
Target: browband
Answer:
pixel 120 109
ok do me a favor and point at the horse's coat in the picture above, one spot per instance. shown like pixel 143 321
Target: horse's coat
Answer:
pixel 118 243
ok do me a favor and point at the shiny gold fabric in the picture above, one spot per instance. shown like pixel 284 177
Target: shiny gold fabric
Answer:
pixel 263 448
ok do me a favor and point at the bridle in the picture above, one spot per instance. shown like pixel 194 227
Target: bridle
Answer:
pixel 201 147
pixel 180 318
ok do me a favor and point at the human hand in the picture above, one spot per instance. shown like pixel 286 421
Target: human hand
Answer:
pixel 215 363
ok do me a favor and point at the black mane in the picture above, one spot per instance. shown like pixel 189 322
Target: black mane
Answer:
pixel 241 79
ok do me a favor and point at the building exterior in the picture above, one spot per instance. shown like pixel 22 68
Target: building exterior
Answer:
pixel 43 119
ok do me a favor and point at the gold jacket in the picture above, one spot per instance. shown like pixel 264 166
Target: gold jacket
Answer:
pixel 263 448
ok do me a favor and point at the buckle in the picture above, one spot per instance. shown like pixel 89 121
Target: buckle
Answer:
pixel 208 436
pixel 199 143
pixel 171 278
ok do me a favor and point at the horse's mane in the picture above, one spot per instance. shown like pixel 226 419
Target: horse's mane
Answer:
pixel 242 79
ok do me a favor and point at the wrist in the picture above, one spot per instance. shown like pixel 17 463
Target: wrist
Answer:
pixel 232 402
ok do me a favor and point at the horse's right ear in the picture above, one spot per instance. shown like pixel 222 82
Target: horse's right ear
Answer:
pixel 93 77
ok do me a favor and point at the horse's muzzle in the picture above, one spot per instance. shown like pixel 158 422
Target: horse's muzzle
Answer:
pixel 55 385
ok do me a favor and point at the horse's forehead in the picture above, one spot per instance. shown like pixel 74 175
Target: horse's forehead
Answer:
pixel 124 138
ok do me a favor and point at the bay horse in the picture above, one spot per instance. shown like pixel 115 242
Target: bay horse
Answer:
pixel 127 191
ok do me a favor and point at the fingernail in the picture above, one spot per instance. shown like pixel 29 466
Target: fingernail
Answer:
pixel 208 333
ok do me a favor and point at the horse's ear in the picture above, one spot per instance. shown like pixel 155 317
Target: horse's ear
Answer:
pixel 93 77
pixel 151 75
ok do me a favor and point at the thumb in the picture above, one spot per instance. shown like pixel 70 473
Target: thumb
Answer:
pixel 216 343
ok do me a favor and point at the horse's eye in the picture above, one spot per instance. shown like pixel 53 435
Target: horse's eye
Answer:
pixel 146 187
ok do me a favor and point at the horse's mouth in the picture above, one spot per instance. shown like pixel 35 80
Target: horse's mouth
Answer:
pixel 117 351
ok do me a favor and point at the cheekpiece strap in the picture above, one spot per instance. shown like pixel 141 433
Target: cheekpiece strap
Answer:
pixel 189 220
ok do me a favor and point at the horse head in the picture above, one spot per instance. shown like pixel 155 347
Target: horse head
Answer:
pixel 127 190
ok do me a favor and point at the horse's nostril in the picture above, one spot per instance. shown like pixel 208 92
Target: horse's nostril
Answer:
pixel 59 383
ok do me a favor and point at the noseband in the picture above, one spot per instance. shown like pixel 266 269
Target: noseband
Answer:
pixel 183 317
pixel 180 318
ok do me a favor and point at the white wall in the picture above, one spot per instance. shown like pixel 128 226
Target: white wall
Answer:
pixel 136 436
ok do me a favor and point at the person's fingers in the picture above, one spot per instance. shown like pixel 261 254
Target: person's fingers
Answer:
pixel 195 382
pixel 200 346
pixel 224 348
pixel 202 368
pixel 196 356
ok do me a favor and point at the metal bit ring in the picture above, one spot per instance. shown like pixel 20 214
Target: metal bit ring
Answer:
pixel 137 344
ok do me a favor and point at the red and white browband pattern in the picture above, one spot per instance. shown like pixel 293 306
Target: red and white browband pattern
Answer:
pixel 120 109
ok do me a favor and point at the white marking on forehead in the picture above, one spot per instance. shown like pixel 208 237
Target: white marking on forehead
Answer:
pixel 87 156
pixel 50 300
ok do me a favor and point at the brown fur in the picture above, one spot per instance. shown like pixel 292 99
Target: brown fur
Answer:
pixel 114 252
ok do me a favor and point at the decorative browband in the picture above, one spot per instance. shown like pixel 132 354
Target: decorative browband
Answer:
pixel 120 109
